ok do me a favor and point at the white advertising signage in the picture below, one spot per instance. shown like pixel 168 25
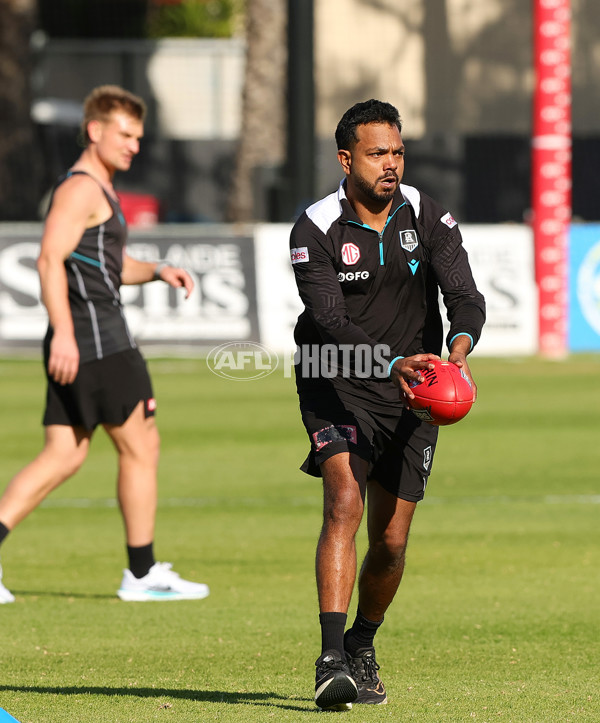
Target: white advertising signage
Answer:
pixel 278 302
pixel 23 318
pixel 221 307
pixel 245 288
pixel 501 259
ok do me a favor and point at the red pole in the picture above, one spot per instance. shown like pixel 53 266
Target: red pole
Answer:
pixel 551 169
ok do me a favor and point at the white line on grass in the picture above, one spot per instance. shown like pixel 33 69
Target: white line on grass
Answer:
pixel 64 503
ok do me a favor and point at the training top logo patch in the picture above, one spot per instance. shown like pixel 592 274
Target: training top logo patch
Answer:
pixel 350 254
pixel 448 220
pixel 409 240
pixel 299 255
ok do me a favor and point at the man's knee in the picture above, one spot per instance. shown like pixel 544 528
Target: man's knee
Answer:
pixel 389 550
pixel 73 463
pixel 65 450
pixel 137 440
pixel 344 510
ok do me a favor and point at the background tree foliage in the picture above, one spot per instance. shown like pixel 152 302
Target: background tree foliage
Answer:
pixel 193 18
pixel 140 18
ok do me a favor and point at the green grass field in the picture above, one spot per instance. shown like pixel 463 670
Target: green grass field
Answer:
pixel 497 618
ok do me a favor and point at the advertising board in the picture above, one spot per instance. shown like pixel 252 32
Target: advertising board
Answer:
pixel 245 289
pixel 222 306
pixel 584 288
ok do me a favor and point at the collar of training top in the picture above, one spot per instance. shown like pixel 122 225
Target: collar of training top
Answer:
pixel 403 194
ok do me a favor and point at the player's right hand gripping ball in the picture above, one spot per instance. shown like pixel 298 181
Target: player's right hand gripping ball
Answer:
pixel 445 396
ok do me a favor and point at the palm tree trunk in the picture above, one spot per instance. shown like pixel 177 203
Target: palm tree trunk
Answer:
pixel 262 139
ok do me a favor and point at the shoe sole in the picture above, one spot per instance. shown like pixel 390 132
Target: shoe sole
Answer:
pixel 135 596
pixel 340 707
pixel 371 702
pixel 336 694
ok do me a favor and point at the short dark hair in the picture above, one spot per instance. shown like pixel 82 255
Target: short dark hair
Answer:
pixel 104 99
pixel 370 111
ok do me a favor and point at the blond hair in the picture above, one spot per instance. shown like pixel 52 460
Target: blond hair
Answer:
pixel 105 99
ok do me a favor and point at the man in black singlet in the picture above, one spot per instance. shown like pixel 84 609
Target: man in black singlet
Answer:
pixel 96 375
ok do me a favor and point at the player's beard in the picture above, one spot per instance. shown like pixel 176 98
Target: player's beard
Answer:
pixel 369 189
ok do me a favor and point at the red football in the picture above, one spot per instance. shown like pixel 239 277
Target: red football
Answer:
pixel 445 396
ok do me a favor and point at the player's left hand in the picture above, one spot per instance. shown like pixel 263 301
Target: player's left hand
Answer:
pixel 177 277
pixel 460 360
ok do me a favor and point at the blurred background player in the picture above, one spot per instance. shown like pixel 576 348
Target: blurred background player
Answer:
pixel 369 262
pixel 96 374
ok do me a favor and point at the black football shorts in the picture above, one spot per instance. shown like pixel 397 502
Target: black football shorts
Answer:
pixel 105 391
pixel 397 445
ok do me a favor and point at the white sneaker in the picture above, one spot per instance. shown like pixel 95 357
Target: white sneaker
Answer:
pixel 6 596
pixel 161 583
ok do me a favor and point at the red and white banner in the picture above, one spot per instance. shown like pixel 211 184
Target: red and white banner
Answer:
pixel 551 169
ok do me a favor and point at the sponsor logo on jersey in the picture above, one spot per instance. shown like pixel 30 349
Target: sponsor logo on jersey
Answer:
pixel 409 240
pixel 299 255
pixel 350 254
pixel 413 266
pixel 448 220
pixel 353 275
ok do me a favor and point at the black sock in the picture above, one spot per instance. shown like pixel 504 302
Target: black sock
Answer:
pixel 361 634
pixel 332 631
pixel 3 532
pixel 141 559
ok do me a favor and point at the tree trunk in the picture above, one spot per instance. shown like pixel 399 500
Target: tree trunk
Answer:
pixel 262 136
pixel 19 162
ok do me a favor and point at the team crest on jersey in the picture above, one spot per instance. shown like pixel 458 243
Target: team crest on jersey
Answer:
pixel 409 240
pixel 350 254
pixel 448 220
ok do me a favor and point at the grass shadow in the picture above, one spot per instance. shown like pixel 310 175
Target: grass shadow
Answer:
pixel 201 696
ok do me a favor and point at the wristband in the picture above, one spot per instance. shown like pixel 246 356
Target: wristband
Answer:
pixel 159 267
pixel 394 360
pixel 461 333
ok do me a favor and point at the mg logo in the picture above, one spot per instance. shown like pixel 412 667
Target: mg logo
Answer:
pixel 242 361
pixel 350 254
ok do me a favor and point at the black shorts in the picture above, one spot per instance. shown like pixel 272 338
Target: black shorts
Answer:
pixel 398 446
pixel 105 391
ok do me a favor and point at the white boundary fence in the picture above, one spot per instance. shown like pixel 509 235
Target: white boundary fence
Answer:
pixel 246 291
